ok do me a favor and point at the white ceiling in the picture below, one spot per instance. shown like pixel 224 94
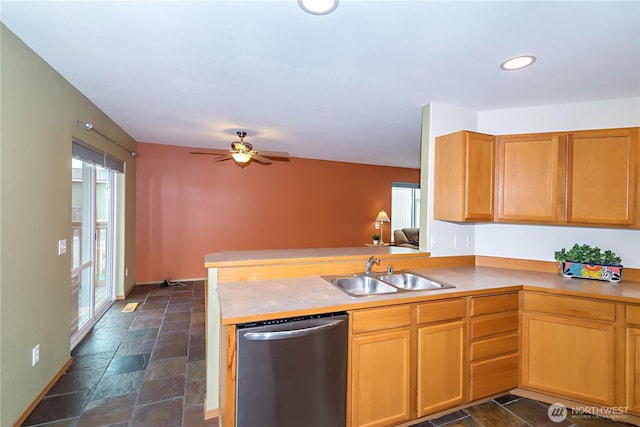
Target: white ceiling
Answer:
pixel 347 86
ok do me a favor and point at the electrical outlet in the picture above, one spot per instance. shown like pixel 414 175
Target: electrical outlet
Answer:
pixel 35 355
pixel 377 226
pixel 468 240
pixel 126 272
pixel 433 242
pixel 456 241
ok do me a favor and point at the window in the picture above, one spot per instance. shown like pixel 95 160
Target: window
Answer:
pixel 405 205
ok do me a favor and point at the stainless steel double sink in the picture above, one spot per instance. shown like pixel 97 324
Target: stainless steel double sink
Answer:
pixel 386 283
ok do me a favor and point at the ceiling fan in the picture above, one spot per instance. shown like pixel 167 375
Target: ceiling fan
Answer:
pixel 242 153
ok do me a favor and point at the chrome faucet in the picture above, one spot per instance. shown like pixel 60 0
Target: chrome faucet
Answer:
pixel 372 259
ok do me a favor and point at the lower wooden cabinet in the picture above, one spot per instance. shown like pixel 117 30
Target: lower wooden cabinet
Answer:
pixel 412 360
pixel 493 376
pixel 441 367
pixel 380 368
pixel 381 378
pixel 633 370
pixel 493 346
pixel 441 355
pixel 570 352
pixel 633 358
pixel 407 361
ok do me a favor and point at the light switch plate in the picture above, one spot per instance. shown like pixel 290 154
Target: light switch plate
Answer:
pixel 62 246
pixel 35 355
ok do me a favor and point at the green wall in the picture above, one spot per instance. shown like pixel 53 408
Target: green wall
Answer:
pixel 40 111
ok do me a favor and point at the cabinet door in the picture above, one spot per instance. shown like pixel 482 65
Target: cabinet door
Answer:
pixel 633 370
pixel 601 177
pixel 441 367
pixel 569 358
pixel 464 177
pixel 380 378
pixel 530 182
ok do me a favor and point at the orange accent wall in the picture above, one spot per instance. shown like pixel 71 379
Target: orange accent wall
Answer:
pixel 188 206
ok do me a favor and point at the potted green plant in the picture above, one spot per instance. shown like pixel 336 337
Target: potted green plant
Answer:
pixel 587 262
pixel 376 239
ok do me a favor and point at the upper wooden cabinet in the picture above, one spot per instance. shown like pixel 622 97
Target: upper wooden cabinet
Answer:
pixel 601 177
pixel 464 177
pixel 577 177
pixel 530 178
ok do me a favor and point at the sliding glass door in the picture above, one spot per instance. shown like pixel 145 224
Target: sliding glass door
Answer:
pixel 104 258
pixel 93 244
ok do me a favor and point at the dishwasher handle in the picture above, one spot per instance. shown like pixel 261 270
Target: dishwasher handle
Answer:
pixel 282 335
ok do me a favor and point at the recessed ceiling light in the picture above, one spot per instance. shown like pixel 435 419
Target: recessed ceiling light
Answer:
pixel 318 7
pixel 518 62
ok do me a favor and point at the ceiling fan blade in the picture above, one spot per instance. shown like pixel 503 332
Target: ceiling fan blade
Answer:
pixel 263 160
pixel 213 151
pixel 274 154
pixel 223 157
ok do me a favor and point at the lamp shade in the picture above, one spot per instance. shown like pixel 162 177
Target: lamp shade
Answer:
pixel 382 217
pixel 241 157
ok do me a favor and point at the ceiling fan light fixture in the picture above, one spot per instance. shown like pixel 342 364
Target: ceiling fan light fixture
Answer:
pixel 241 157
pixel 518 62
pixel 318 7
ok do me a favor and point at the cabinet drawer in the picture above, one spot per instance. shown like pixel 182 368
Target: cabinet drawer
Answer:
pixel 494 304
pixel 494 324
pixel 633 314
pixel 494 346
pixel 381 318
pixel 442 310
pixel 567 306
pixel 493 376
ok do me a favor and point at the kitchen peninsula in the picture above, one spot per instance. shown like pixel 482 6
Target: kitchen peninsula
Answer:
pixel 496 323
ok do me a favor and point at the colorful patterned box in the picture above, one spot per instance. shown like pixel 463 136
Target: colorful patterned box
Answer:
pixel 610 273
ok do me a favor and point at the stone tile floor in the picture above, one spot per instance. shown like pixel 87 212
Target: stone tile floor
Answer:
pixel 147 368
pixel 140 369
pixel 515 411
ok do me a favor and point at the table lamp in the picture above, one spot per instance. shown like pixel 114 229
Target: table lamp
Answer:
pixel 382 218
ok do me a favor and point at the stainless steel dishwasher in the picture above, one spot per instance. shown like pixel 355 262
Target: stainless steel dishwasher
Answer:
pixel 292 372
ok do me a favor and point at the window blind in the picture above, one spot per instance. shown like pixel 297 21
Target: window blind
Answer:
pixel 83 152
pixel 404 185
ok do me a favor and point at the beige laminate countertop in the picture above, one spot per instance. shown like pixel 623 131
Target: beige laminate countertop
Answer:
pixel 285 256
pixel 249 301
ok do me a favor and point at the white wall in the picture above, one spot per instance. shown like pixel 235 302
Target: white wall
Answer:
pixel 615 113
pixel 525 241
pixel 40 114
pixel 441 119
